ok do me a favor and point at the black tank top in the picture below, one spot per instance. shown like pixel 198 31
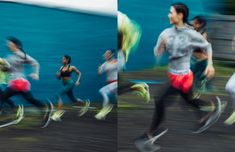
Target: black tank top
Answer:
pixel 66 73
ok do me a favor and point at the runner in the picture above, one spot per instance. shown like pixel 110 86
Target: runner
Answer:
pixel 129 34
pixel 110 67
pixel 199 59
pixel 18 84
pixel 179 41
pixel 65 74
pixel 230 88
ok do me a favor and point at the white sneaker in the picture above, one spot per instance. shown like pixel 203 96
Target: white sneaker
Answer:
pixel 57 115
pixel 85 108
pixel 103 112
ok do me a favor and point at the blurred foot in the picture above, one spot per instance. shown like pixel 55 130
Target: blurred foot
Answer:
pixel 231 119
pixel 146 144
pixel 104 112
pixel 57 115
pixel 142 89
pixel 85 108
pixel 48 114
pixel 212 118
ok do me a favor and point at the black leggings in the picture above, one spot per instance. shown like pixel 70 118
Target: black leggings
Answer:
pixel 159 112
pixel 8 93
pixel 8 101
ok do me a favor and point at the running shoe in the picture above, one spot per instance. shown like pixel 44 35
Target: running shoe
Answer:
pixel 57 115
pixel 213 118
pixel 48 114
pixel 147 144
pixel 104 112
pixel 142 89
pixel 231 119
pixel 85 108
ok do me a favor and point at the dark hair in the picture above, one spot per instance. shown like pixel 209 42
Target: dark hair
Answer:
pixel 16 41
pixel 18 44
pixel 201 20
pixel 112 51
pixel 68 58
pixel 120 40
pixel 182 8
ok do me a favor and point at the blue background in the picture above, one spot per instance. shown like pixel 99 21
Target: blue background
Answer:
pixel 47 34
pixel 152 16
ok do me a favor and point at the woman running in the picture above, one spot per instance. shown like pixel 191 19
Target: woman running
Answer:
pixel 129 34
pixel 65 74
pixel 199 59
pixel 179 41
pixel 230 88
pixel 110 67
pixel 18 84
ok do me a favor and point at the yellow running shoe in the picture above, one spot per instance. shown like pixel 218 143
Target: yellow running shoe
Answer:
pixel 230 119
pixel 85 108
pixel 57 115
pixel 100 115
pixel 19 111
pixel 104 112
pixel 142 89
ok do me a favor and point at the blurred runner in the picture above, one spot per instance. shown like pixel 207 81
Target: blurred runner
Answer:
pixel 110 67
pixel 65 74
pixel 179 41
pixel 129 34
pixel 230 88
pixel 199 59
pixel 18 84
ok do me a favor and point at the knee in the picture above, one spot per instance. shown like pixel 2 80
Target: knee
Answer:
pixel 103 90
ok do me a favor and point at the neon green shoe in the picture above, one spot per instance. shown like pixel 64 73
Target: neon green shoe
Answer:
pixel 57 115
pixel 104 112
pixel 100 115
pixel 230 119
pixel 19 111
pixel 85 108
pixel 142 89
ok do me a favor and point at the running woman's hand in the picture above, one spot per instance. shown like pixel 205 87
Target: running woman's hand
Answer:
pixel 77 83
pixel 209 72
pixel 58 76
pixel 34 76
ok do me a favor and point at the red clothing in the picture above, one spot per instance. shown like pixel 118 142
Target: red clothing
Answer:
pixel 20 84
pixel 182 82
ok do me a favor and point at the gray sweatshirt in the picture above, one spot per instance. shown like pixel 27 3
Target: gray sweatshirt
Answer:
pixel 180 43
pixel 16 64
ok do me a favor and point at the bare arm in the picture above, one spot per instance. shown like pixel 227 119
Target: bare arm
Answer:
pixel 58 73
pixel 200 41
pixel 78 74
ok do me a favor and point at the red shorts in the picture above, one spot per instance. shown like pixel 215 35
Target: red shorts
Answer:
pixel 20 84
pixel 182 82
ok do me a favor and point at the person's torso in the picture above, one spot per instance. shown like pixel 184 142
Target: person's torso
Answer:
pixel 178 45
pixel 111 70
pixel 65 72
pixel 16 61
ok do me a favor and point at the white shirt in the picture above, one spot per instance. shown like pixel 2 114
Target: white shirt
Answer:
pixel 111 69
